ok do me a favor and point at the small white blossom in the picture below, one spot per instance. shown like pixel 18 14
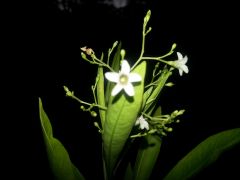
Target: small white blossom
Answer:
pixel 180 63
pixel 142 122
pixel 123 79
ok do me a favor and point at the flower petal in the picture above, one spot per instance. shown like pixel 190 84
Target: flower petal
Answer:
pixel 117 88
pixel 179 55
pixel 184 60
pixel 112 76
pixel 180 72
pixel 129 89
pixel 137 122
pixel 144 125
pixel 184 68
pixel 134 77
pixel 125 67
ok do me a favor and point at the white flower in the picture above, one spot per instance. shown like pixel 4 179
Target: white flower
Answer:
pixel 142 122
pixel 123 79
pixel 180 63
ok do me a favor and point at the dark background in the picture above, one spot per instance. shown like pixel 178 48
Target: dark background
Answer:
pixel 44 55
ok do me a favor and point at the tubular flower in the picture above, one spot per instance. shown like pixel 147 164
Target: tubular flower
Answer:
pixel 142 122
pixel 180 64
pixel 123 79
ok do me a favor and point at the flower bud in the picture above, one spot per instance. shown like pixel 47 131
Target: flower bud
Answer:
pixel 174 46
pixel 122 53
pixel 170 84
pixel 93 114
pixel 147 17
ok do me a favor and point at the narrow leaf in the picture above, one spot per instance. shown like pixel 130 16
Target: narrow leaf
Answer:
pixel 129 172
pixel 100 93
pixel 151 100
pixel 59 160
pixel 147 154
pixel 121 115
pixel 204 154
pixel 115 65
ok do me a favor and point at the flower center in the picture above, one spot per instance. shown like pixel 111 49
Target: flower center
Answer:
pixel 123 79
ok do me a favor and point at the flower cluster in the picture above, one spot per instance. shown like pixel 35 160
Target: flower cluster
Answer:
pixel 123 79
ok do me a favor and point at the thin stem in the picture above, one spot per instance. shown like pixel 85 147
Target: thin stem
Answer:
pixel 138 135
pixel 155 58
pixel 151 84
pixel 101 63
pixel 94 88
pixel 143 47
pixel 83 102
pixel 160 58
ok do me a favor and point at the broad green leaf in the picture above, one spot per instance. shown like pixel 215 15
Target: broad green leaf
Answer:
pixel 115 65
pixel 204 154
pixel 121 115
pixel 151 100
pixel 100 93
pixel 147 155
pixel 59 160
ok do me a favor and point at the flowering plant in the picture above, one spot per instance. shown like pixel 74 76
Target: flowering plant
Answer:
pixel 126 109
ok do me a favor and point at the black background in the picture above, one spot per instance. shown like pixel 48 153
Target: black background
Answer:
pixel 44 55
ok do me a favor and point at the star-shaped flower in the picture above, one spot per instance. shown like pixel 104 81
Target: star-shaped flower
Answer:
pixel 180 64
pixel 142 122
pixel 123 79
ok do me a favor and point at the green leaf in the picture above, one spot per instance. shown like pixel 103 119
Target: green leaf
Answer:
pixel 100 93
pixel 147 154
pixel 59 160
pixel 151 100
pixel 204 154
pixel 146 95
pixel 147 157
pixel 115 65
pixel 129 172
pixel 121 115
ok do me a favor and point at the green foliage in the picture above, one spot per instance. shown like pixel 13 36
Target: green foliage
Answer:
pixel 101 94
pixel 121 115
pixel 129 172
pixel 59 160
pixel 118 114
pixel 147 154
pixel 204 154
pixel 115 66
pixel 147 157
pixel 152 94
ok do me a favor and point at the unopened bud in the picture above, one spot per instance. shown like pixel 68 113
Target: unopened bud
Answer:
pixel 181 112
pixel 122 53
pixel 147 17
pixel 174 46
pixel 93 114
pixel 68 92
pixel 170 84
pixel 163 133
pixel 175 113
pixel 83 55
pixel 96 124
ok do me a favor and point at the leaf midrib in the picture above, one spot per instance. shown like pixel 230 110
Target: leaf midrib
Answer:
pixel 113 132
pixel 44 129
